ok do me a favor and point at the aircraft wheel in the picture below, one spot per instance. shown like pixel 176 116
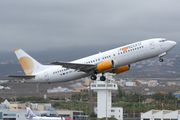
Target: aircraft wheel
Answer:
pixel 102 78
pixel 93 77
pixel 160 59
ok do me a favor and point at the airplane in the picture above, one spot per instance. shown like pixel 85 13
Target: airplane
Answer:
pixel 32 116
pixel 116 61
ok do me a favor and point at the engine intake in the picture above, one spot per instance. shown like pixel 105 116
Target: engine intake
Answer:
pixel 122 69
pixel 106 65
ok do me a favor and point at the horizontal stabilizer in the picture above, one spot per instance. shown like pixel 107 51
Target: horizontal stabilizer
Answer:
pixel 22 76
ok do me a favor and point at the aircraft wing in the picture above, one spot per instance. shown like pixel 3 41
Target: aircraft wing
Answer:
pixel 77 66
pixel 22 76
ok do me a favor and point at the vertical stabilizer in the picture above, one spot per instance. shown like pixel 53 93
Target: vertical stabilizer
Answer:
pixel 29 64
pixel 29 112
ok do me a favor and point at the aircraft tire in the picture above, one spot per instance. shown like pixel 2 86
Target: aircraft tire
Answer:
pixel 161 60
pixel 102 78
pixel 93 77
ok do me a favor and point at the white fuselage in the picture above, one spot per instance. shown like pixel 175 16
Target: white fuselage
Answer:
pixel 133 53
pixel 47 118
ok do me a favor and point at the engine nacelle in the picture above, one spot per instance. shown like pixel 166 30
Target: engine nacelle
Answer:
pixel 106 65
pixel 122 69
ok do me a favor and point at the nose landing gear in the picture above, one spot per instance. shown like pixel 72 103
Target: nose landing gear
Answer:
pixel 161 55
pixel 160 59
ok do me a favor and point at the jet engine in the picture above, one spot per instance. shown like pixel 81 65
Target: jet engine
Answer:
pixel 122 69
pixel 106 65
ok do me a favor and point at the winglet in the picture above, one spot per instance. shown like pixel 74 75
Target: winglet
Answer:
pixel 16 50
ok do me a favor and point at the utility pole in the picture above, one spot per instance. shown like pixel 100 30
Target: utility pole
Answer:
pixel 91 106
pixel 37 88
pixel 139 105
pixel 15 96
pixel 106 99
pixel 123 94
pixel 134 111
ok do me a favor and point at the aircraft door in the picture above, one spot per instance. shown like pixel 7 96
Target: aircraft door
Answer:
pixel 46 76
pixel 151 43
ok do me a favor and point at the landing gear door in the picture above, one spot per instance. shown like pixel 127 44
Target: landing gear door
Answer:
pixel 46 76
pixel 151 43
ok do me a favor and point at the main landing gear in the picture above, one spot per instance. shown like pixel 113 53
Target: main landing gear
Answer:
pixel 102 78
pixel 93 77
pixel 160 59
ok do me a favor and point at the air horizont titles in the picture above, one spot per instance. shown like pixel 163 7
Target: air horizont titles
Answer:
pixel 130 46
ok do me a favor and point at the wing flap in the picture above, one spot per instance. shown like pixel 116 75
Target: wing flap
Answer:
pixel 76 66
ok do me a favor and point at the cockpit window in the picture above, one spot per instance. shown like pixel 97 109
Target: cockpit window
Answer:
pixel 162 40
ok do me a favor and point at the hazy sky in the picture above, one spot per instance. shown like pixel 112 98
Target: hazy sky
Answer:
pixel 44 24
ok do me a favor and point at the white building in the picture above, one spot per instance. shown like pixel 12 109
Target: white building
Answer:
pixel 4 81
pixel 143 83
pixel 129 83
pixel 148 115
pixel 171 83
pixel 18 111
pixel 104 96
pixel 58 89
pixel 153 83
pixel 173 115
pixel 121 82
pixel 161 115
pixel 1 87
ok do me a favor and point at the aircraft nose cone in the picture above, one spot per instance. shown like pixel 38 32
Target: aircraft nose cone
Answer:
pixel 168 45
pixel 173 43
